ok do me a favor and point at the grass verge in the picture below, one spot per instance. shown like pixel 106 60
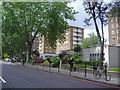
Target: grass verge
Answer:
pixel 114 69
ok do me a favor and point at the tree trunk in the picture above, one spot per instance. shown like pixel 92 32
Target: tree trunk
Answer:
pixel 100 41
pixel 102 46
pixel 101 56
pixel 29 51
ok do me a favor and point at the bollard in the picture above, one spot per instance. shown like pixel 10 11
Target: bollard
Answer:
pixel 75 69
pixel 85 69
pixel 49 67
pixel 106 72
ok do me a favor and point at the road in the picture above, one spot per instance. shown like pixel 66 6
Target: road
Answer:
pixel 17 76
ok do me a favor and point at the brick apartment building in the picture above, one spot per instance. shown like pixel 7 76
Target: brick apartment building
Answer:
pixel 73 35
pixel 114 31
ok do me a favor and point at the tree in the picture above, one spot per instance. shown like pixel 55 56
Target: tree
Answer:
pixel 32 18
pixel 92 40
pixel 115 9
pixel 35 53
pixel 77 49
pixel 97 10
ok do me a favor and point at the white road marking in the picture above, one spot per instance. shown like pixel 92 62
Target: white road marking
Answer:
pixel 2 80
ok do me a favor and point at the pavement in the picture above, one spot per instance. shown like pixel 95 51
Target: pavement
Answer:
pixel 115 76
pixel 29 76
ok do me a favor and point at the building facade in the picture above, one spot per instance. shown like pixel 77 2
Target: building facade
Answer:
pixel 114 31
pixel 73 37
pixel 111 55
pixel 42 46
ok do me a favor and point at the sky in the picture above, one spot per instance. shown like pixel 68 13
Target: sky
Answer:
pixel 80 17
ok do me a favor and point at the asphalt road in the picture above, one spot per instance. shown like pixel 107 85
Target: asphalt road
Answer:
pixel 17 76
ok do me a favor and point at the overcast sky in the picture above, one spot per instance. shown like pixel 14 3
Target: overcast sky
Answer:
pixel 80 17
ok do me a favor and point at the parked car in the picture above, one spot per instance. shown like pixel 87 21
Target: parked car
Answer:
pixel 13 60
pixel 7 59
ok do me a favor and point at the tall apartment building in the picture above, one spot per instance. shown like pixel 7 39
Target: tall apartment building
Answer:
pixel 74 36
pixel 114 31
pixel 42 46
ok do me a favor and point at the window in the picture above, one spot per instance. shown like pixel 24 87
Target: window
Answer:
pixel 118 37
pixel 118 24
pixel 112 26
pixel 66 42
pixel 66 37
pixel 113 44
pixel 113 38
pixel 113 32
pixel 118 30
pixel 74 28
pixel 111 20
pixel 66 33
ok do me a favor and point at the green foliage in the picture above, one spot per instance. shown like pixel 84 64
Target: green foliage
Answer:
pixel 94 63
pixel 46 62
pixel 77 58
pixel 35 53
pixel 77 48
pixel 97 11
pixel 114 69
pixel 22 21
pixel 55 60
pixel 31 60
pixel 92 40
pixel 5 55
pixel 65 59
pixel 83 66
pixel 89 64
pixel 115 9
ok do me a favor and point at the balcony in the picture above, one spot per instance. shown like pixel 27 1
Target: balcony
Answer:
pixel 79 34
pixel 79 38
pixel 77 43
pixel 79 30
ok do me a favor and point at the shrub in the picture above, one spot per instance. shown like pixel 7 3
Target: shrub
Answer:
pixel 65 59
pixel 77 58
pixel 86 62
pixel 46 62
pixel 31 60
pixel 94 63
pixel 55 59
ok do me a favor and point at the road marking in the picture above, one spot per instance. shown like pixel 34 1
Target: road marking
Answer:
pixel 2 80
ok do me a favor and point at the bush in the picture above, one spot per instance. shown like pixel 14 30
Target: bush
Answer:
pixel 31 60
pixel 86 62
pixel 65 59
pixel 77 59
pixel 94 63
pixel 46 62
pixel 55 60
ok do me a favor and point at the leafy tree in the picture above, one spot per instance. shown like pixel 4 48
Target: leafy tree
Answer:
pixel 35 53
pixel 92 40
pixel 55 60
pixel 97 10
pixel 24 21
pixel 115 9
pixel 77 49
